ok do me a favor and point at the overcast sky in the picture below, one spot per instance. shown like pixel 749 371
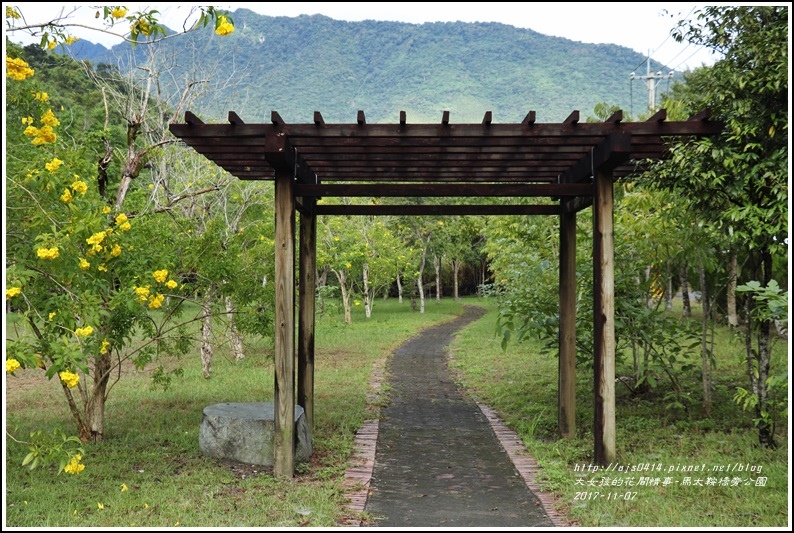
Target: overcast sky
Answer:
pixel 641 26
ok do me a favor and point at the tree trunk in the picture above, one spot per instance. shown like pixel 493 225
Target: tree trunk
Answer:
pixel 704 348
pixel 765 436
pixel 341 275
pixel 234 335
pixel 455 282
pixel 682 271
pixel 733 274
pixel 668 294
pixel 420 282
pixel 437 266
pixel 206 334
pixel 93 429
pixel 399 289
pixel 322 281
pixel 367 295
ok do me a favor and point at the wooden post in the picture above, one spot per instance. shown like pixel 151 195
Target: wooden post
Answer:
pixel 566 406
pixel 284 340
pixel 306 300
pixel 604 318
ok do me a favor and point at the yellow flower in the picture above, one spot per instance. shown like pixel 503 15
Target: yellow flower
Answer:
pixel 71 39
pixel 28 120
pixel 48 253
pixel 84 265
pixel 96 238
pixel 51 45
pixel 12 365
pixel 42 97
pixel 49 119
pixel 224 27
pixel 124 488
pixel 141 26
pixel 142 292
pixel 160 275
pixel 125 227
pixel 54 165
pixel 116 251
pixel 13 291
pixel 357 303
pixel 106 210
pixel 79 186
pixel 44 135
pixel 31 131
pixel 171 284
pixel 118 12
pixel 121 219
pixel 104 348
pixel 66 196
pixel 17 69
pixel 348 265
pixel 99 505
pixel 69 379
pixel 84 332
pixel 102 268
pixel 156 301
pixel 74 466
pixel 12 13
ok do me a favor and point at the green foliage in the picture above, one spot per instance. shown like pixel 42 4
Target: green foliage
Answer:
pixel 775 406
pixel 771 302
pixel 55 448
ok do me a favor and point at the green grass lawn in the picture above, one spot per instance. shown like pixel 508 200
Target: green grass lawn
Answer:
pixel 149 471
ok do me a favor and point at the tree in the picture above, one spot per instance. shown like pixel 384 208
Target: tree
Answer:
pixel 89 280
pixel 739 180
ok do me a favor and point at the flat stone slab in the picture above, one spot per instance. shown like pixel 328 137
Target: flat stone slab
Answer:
pixel 244 432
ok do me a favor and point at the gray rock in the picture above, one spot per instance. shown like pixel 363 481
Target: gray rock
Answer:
pixel 244 432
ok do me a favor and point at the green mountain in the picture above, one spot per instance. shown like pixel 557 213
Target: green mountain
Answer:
pixel 298 65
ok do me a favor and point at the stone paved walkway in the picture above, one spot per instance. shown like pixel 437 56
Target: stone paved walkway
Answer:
pixel 438 459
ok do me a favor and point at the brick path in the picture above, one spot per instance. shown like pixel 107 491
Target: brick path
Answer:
pixel 438 459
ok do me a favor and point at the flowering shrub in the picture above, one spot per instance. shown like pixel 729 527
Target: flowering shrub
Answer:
pixel 70 272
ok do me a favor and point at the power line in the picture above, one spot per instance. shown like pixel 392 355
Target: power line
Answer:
pixel 656 50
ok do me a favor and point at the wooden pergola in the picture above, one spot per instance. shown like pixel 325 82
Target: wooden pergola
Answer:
pixel 575 164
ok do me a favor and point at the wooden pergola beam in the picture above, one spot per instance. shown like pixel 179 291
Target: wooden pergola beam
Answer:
pixel 426 210
pixel 283 157
pixel 606 155
pixel 426 190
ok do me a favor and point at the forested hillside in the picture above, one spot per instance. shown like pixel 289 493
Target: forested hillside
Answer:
pixel 298 65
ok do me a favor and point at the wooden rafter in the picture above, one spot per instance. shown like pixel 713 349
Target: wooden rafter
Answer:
pixel 396 157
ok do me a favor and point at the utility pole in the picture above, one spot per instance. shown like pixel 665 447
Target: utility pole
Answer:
pixel 651 81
